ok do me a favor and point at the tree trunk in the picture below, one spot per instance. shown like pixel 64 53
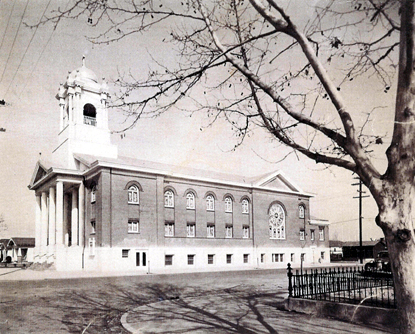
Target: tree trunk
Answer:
pixel 396 194
pixel 395 219
pixel 402 255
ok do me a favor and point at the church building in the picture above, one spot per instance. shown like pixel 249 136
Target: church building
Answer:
pixel 96 210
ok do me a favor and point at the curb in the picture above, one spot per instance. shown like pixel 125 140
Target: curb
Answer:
pixel 127 326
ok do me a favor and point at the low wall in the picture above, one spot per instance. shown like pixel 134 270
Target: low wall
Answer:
pixel 371 316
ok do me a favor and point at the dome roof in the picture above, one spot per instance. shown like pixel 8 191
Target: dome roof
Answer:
pixel 83 74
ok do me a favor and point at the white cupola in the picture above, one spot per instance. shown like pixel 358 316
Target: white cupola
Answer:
pixel 83 118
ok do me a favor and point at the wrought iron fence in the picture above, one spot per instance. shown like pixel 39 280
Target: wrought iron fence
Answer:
pixel 345 285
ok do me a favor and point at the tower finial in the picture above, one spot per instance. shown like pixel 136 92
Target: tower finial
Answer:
pixel 83 60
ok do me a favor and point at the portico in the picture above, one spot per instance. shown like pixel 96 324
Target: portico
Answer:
pixel 60 215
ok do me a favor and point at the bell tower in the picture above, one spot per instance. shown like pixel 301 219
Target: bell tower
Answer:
pixel 83 127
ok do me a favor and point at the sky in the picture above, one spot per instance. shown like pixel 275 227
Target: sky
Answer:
pixel 34 61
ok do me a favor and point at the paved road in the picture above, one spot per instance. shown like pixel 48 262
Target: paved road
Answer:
pixel 222 302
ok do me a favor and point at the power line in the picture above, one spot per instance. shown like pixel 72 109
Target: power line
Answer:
pixel 14 41
pixel 7 26
pixel 40 56
pixel 27 48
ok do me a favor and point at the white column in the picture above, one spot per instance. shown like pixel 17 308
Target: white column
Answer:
pixel 81 205
pixel 74 218
pixel 71 115
pixel 65 218
pixel 61 111
pixel 52 216
pixel 44 221
pixel 59 213
pixel 38 223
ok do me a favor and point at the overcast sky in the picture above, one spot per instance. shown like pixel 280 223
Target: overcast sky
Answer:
pixel 33 62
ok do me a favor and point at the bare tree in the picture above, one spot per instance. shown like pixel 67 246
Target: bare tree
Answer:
pixel 258 65
pixel 3 225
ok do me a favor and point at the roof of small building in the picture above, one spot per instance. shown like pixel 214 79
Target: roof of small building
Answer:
pixel 22 242
pixel 336 243
pixel 357 243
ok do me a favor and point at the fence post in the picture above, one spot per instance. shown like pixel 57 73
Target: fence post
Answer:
pixel 290 282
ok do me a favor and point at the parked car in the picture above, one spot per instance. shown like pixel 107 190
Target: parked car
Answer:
pixel 381 263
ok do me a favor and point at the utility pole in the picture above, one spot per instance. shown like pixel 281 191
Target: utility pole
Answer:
pixel 360 191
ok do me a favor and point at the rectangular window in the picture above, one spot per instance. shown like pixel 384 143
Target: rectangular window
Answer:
pixel 313 236
pixel 168 260
pixel 246 258
pixel 210 231
pixel 262 258
pixel 277 257
pixel 245 231
pixel 133 226
pixel 91 245
pixel 321 233
pixel 93 196
pixel 302 235
pixel 191 230
pixel 93 226
pixel 322 255
pixel 169 229
pixel 125 252
pixel 228 258
pixel 211 258
pixel 229 231
pixel 190 259
pixel 292 257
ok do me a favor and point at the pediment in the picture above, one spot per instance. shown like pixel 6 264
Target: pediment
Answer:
pixel 278 181
pixel 39 173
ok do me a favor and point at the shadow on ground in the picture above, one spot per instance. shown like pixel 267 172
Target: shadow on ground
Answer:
pixel 165 308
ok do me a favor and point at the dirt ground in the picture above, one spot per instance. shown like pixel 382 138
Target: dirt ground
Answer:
pixel 95 305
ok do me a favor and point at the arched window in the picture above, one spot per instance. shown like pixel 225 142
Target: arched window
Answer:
pixel 133 195
pixel 168 199
pixel 210 203
pixel 245 206
pixel 276 220
pixel 301 211
pixel 90 114
pixel 190 201
pixel 228 204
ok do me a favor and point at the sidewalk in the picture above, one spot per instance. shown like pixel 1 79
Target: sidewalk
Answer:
pixel 230 313
pixel 19 274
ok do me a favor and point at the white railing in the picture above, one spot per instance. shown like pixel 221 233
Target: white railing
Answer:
pixel 90 121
